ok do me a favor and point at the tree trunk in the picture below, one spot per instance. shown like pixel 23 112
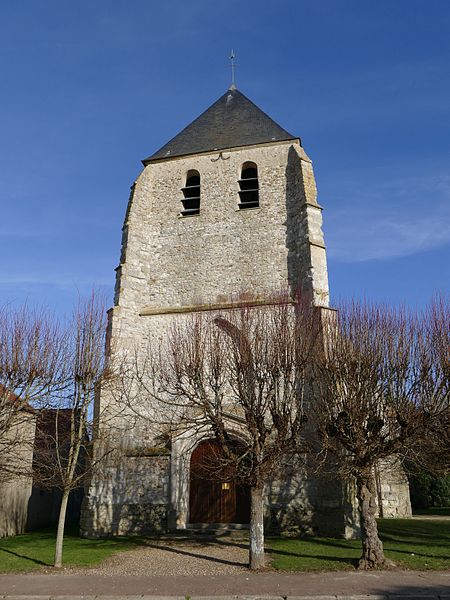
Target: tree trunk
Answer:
pixel 60 532
pixel 376 470
pixel 257 528
pixel 373 555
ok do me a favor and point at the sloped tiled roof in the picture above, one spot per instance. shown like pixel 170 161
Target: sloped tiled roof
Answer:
pixel 10 397
pixel 232 121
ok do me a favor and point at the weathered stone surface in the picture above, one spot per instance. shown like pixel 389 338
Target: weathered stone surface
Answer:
pixel 393 489
pixel 15 491
pixel 123 519
pixel 130 499
pixel 169 262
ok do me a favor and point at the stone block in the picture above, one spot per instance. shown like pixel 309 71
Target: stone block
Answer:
pixel 311 597
pixel 171 263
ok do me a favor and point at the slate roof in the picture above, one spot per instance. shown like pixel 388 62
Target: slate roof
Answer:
pixel 233 120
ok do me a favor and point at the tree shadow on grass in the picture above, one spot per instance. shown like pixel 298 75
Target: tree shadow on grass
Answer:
pixel 415 553
pixel 245 545
pixel 180 551
pixel 34 560
pixel 408 531
pixel 329 543
pixel 47 537
pixel 350 561
pixel 325 557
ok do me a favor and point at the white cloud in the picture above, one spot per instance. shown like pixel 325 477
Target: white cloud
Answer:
pixel 396 219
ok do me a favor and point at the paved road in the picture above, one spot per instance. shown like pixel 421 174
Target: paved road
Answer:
pixel 406 584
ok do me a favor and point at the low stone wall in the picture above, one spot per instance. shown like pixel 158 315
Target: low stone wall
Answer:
pixel 393 489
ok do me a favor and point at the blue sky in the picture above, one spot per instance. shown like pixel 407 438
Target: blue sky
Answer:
pixel 88 89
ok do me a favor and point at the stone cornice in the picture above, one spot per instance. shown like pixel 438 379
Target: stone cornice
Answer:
pixel 173 310
pixel 224 151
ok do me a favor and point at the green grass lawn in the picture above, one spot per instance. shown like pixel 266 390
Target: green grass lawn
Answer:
pixel 412 544
pixel 35 550
pixel 443 511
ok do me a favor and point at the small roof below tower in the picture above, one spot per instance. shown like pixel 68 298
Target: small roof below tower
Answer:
pixel 232 121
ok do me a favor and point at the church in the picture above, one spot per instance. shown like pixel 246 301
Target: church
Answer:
pixel 229 204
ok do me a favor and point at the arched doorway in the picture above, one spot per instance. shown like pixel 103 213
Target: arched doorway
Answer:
pixel 215 498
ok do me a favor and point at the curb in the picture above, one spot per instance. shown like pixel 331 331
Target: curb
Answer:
pixel 244 597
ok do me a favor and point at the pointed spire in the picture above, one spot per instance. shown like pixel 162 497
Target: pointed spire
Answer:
pixel 233 83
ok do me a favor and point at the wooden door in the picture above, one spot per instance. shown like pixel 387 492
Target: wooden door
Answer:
pixel 214 498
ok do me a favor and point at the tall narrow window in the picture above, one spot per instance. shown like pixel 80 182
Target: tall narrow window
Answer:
pixel 249 188
pixel 191 193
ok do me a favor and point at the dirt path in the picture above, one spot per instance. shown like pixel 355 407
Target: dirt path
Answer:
pixel 171 558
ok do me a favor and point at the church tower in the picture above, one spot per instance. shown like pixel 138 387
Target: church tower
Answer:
pixel 228 206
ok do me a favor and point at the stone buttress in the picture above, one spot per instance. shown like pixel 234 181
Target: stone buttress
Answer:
pixel 194 236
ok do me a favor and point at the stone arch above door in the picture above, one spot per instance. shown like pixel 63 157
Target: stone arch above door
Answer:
pixel 214 495
pixel 183 447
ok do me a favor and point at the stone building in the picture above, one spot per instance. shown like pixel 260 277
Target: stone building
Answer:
pixel 17 429
pixel 229 204
pixel 25 503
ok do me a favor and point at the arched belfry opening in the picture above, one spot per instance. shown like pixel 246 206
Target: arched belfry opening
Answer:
pixel 193 236
pixel 214 494
pixel 249 186
pixel 191 193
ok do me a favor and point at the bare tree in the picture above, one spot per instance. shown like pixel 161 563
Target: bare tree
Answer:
pixel 432 450
pixel 32 369
pixel 241 377
pixel 64 458
pixel 382 385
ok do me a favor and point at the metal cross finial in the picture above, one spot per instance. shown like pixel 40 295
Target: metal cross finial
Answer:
pixel 232 57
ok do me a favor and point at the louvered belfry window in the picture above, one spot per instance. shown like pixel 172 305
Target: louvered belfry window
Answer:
pixel 248 186
pixel 191 193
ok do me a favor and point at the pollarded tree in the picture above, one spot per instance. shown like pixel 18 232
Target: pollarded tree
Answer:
pixel 433 450
pixel 242 376
pixel 382 386
pixel 431 454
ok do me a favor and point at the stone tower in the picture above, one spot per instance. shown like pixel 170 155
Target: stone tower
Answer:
pixel 194 231
pixel 228 205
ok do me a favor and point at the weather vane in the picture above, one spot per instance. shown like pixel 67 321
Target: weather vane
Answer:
pixel 232 57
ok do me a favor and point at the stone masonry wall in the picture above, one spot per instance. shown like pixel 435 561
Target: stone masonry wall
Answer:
pixel 130 497
pixel 15 492
pixel 393 489
pixel 168 261
pixel 171 261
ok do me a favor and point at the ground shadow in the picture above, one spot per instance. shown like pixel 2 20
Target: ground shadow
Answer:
pixel 414 591
pixel 352 562
pixel 33 560
pixel 179 551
